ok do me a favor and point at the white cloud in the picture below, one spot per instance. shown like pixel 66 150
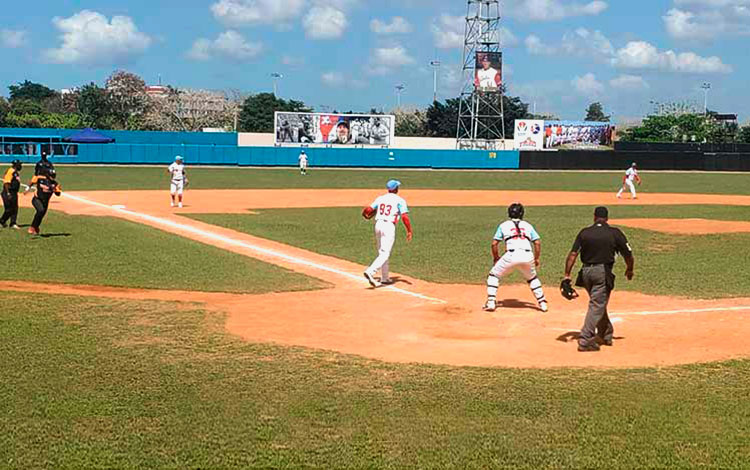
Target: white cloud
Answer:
pixel 384 59
pixel 629 83
pixel 398 25
pixel 228 45
pixel 332 79
pixel 708 19
pixel 250 12
pixel 552 10
pixel 587 85
pixel 89 37
pixel 448 32
pixel 643 55
pixel 580 43
pixel 325 22
pixel 13 38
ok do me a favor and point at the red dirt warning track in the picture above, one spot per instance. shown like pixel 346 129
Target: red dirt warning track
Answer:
pixel 426 322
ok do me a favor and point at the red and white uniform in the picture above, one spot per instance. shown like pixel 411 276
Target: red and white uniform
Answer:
pixel 489 78
pixel 631 174
pixel 388 211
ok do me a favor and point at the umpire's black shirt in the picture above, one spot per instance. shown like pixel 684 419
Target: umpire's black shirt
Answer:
pixel 597 244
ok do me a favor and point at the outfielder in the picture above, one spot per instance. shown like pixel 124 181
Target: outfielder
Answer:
pixel 179 180
pixel 518 236
pixel 630 175
pixel 387 210
pixel 302 163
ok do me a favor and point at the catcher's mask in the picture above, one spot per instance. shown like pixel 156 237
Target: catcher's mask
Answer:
pixel 51 173
pixel 515 210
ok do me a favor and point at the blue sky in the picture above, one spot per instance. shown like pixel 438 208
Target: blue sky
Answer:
pixel 350 54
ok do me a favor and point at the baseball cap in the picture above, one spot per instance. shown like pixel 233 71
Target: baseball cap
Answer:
pixel 601 212
pixel 178 157
pixel 633 164
pixel 392 184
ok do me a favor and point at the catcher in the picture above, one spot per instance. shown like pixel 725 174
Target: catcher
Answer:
pixel 46 186
pixel 597 245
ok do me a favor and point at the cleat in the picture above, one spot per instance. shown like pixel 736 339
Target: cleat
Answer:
pixel 179 205
pixel 543 306
pixel 373 282
pixel 32 231
pixel 607 342
pixel 15 227
pixel 588 348
pixel 490 306
pixel 387 282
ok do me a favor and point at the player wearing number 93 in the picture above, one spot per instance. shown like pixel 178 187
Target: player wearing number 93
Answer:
pixel 522 250
pixel 387 210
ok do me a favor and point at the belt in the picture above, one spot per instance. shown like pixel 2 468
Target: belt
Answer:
pixel 591 265
pixel 511 251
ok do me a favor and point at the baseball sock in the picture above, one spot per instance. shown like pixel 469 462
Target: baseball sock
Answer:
pixel 492 285
pixel 536 288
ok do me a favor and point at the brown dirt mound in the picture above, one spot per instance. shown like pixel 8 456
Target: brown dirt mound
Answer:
pixel 687 226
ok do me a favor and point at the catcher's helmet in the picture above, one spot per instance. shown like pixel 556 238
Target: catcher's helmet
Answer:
pixel 51 173
pixel 515 210
pixel 17 164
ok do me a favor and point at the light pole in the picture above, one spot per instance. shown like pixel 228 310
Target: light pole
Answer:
pixel 275 76
pixel 399 89
pixel 435 66
pixel 706 86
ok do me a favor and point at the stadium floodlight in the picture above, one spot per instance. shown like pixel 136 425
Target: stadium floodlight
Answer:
pixel 705 86
pixel 275 76
pixel 435 66
pixel 399 89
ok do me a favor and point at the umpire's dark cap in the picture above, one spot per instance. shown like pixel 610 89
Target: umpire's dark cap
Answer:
pixel 601 212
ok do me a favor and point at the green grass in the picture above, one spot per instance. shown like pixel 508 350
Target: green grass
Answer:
pixel 91 383
pixel 451 245
pixel 80 178
pixel 113 252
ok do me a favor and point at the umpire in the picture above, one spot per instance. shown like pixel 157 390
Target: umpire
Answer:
pixel 597 245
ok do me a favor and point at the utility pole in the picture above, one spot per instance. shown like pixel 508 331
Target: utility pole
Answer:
pixel 275 76
pixel 706 86
pixel 435 66
pixel 399 89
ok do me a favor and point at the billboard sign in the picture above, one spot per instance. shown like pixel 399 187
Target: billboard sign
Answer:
pixel 488 71
pixel 577 134
pixel 529 134
pixel 334 129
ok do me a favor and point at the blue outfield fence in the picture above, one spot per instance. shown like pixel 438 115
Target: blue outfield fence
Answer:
pixel 160 154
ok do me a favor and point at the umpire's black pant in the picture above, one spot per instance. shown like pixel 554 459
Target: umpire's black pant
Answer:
pixel 599 282
pixel 10 203
pixel 41 210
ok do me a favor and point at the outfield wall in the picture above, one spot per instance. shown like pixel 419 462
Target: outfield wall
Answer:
pixel 646 160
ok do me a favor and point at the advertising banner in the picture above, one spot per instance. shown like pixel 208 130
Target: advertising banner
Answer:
pixel 334 129
pixel 488 74
pixel 577 134
pixel 529 134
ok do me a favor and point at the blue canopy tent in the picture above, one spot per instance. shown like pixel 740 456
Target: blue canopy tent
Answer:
pixel 88 136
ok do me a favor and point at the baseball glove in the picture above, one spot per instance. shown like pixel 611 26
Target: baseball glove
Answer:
pixel 368 212
pixel 566 289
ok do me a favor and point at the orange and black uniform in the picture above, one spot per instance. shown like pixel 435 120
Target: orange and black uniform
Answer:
pixel 11 185
pixel 45 188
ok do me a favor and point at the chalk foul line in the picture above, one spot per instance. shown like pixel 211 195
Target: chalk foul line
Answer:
pixel 231 241
pixel 693 310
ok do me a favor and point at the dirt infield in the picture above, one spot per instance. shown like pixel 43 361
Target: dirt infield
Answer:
pixel 417 321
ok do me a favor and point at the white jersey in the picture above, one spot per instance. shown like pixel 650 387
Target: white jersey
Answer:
pixel 631 173
pixel 517 235
pixel 302 159
pixel 178 171
pixel 389 208
pixel 486 78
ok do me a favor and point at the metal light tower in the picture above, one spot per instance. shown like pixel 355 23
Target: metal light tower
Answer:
pixel 399 88
pixel 435 66
pixel 481 124
pixel 706 86
pixel 275 76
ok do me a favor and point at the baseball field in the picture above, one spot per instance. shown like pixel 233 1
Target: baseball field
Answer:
pixel 239 332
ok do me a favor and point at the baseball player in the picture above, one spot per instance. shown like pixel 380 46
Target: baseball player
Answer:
pixel 627 180
pixel 179 180
pixel 522 250
pixel 11 186
pixel 46 186
pixel 387 210
pixel 302 163
pixel 487 77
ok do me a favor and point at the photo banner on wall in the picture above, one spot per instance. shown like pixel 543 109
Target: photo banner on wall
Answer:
pixel 578 134
pixel 488 71
pixel 334 129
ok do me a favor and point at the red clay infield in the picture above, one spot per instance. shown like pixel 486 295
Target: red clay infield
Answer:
pixel 417 321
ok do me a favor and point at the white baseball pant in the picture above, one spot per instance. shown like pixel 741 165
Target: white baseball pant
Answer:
pixel 385 236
